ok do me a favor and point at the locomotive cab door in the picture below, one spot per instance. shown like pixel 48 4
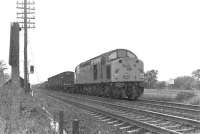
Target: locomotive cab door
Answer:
pixel 102 66
pixel 95 72
pixel 108 72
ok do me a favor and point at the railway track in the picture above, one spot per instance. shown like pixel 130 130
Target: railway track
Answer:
pixel 170 104
pixel 187 111
pixel 175 109
pixel 133 120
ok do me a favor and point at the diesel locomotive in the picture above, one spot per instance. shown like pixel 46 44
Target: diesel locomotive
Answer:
pixel 116 74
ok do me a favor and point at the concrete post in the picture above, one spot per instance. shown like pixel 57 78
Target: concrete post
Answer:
pixel 14 89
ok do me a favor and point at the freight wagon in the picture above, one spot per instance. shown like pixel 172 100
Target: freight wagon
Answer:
pixel 61 81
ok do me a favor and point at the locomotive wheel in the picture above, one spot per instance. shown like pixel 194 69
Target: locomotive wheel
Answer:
pixel 117 93
pixel 114 93
pixel 131 93
pixel 95 90
pixel 119 96
pixel 107 91
pixel 140 91
pixel 101 90
pixel 89 90
pixel 129 96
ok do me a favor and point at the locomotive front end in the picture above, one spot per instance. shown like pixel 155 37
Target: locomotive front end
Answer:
pixel 128 74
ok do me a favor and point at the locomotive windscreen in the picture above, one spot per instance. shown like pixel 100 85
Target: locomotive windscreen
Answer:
pixel 121 53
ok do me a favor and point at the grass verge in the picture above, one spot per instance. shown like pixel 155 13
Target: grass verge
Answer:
pixel 172 95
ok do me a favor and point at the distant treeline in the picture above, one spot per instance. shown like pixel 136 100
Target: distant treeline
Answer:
pixel 181 82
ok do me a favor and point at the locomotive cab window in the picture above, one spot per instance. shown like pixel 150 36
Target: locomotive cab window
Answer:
pixel 121 53
pixel 131 55
pixel 113 56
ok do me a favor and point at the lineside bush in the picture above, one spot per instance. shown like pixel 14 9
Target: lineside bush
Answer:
pixel 28 119
pixel 184 96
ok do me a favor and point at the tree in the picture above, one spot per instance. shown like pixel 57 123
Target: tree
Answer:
pixel 2 74
pixel 151 78
pixel 160 84
pixel 196 74
pixel 184 82
pixel 2 65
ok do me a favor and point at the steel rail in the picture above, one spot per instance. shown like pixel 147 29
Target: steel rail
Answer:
pixel 146 126
pixel 193 112
pixel 188 121
pixel 188 109
pixel 179 105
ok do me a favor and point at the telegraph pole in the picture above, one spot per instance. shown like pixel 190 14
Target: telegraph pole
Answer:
pixel 25 17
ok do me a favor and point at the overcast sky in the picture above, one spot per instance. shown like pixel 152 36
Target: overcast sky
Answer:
pixel 165 34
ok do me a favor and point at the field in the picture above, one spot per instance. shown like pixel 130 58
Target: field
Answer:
pixel 175 95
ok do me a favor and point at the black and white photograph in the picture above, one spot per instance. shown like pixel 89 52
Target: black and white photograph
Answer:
pixel 100 67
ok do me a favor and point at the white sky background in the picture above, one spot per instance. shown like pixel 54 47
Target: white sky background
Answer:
pixel 164 34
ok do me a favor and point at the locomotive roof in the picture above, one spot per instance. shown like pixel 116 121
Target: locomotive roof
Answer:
pixel 106 53
pixel 63 73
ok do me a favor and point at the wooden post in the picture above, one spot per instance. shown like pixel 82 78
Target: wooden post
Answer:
pixel 61 122
pixel 26 16
pixel 75 127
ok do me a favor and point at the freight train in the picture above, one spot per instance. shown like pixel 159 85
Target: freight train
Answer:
pixel 116 74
